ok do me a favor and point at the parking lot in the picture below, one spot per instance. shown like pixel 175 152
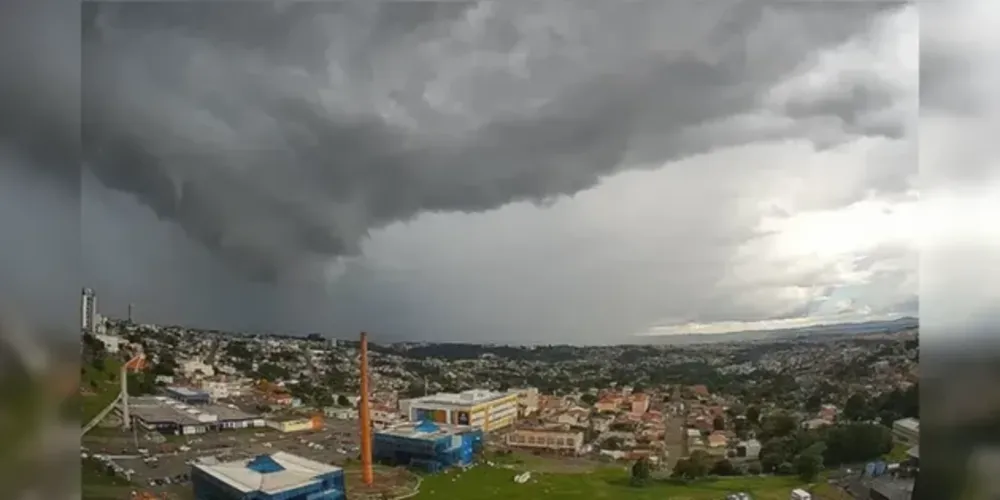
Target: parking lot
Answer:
pixel 161 466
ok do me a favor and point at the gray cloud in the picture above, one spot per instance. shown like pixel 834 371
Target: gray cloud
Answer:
pixel 216 116
pixel 414 143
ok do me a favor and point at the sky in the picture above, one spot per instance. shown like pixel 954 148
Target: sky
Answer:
pixel 544 172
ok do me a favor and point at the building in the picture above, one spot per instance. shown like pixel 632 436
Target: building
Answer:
pixel 889 488
pixel 341 413
pixel 223 388
pixel 816 423
pixel 384 416
pixel 279 476
pixel 558 438
pixel 195 367
pixel 427 445
pixel 527 400
pixel 907 430
pixel 295 424
pixel 749 448
pixel 717 439
pixel 639 403
pixel 112 343
pixel 88 310
pixel 169 416
pixel 478 408
pixel 187 396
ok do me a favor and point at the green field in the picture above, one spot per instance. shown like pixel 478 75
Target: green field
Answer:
pixel 98 484
pixel 484 483
pixel 898 453
pixel 105 387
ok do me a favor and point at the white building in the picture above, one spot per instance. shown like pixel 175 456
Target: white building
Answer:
pixel 223 389
pixel 112 343
pixel 907 430
pixel 266 476
pixel 88 310
pixel 190 367
pixel 479 408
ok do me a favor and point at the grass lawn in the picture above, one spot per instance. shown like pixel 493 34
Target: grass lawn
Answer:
pixel 97 484
pixel 105 387
pixel 484 483
pixel 898 453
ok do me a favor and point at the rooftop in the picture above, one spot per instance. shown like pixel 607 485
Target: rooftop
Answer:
pixel 424 430
pixel 893 489
pixel 553 428
pixel 910 424
pixel 269 474
pixel 185 391
pixel 464 398
pixel 164 409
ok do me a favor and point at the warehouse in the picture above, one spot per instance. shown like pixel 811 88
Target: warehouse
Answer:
pixel 169 416
pixel 279 476
pixel 427 445
pixel 295 424
pixel 478 408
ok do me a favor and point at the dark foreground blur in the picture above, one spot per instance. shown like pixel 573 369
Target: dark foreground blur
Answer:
pixel 960 423
pixel 39 426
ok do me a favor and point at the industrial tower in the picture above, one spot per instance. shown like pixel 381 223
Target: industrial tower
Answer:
pixel 364 415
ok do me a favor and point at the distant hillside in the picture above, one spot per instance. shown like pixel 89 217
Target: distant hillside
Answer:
pixel 867 327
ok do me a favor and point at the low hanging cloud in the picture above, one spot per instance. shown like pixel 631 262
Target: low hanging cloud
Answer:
pixel 280 137
pixel 434 167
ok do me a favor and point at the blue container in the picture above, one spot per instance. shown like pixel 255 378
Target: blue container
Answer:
pixel 880 468
pixel 870 469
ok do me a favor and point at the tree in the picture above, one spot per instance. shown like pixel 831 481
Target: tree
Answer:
pixel 808 466
pixel 613 443
pixel 641 471
pixel 769 462
pixel 724 468
pixel 736 410
pixel 778 424
pixel 854 443
pixel 719 423
pixel 343 401
pixel 856 408
pixel 753 415
pixel 588 399
pixel 813 403
pixel 695 466
pixel 754 469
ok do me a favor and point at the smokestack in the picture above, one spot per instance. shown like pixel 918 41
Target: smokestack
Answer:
pixel 364 415
pixel 130 313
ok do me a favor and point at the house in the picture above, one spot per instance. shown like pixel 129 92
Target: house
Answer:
pixel 639 403
pixel 717 439
pixel 749 448
pixel 700 390
pixel 828 412
pixel 815 423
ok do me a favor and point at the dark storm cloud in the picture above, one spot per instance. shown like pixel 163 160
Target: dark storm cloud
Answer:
pixel 220 117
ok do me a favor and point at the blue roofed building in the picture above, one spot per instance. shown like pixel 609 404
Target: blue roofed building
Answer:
pixel 279 476
pixel 427 445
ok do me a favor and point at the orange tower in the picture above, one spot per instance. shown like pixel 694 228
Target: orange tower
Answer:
pixel 364 415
